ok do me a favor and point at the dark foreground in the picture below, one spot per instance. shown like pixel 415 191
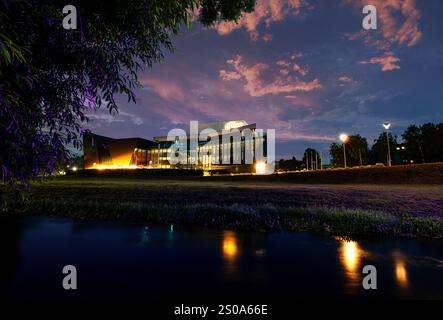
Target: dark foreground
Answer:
pixel 191 265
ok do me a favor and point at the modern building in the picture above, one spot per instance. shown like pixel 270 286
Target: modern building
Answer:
pixel 227 153
pixel 102 152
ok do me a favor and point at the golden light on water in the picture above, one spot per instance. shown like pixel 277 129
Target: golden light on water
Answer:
pixel 230 252
pixel 230 245
pixel 401 274
pixel 350 255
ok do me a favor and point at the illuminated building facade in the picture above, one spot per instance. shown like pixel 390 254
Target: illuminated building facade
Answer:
pixel 107 153
pixel 102 152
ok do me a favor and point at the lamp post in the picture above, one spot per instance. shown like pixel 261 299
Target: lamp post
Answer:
pixel 344 138
pixel 387 125
pixel 321 159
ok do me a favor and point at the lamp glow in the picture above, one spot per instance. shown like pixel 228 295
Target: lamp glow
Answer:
pixel 344 137
pixel 260 168
pixel 386 125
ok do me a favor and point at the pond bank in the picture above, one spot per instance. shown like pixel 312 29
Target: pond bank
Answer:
pixel 337 209
pixel 244 217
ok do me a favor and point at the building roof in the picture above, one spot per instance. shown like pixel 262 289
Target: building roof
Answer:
pixel 217 126
pixel 225 125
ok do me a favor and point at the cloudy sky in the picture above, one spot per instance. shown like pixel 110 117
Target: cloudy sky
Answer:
pixel 303 67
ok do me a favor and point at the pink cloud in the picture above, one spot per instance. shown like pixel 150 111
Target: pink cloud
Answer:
pixel 267 37
pixel 164 88
pixel 295 67
pixel 387 62
pixel 299 69
pixel 195 94
pixel 398 22
pixel 266 12
pixel 229 75
pixel 282 63
pixel 255 84
pixel 296 55
pixel 291 135
pixel 345 79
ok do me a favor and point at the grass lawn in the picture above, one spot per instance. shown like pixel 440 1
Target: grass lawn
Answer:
pixel 234 202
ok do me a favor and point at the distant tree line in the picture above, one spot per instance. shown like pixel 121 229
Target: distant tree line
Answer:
pixel 290 165
pixel 311 161
pixel 419 144
pixel 424 143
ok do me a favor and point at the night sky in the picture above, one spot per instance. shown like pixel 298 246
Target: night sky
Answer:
pixel 305 68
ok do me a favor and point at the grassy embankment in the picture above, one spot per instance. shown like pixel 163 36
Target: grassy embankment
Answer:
pixel 254 203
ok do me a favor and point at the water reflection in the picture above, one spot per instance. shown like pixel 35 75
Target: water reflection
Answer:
pixel 148 235
pixel 213 264
pixel 401 274
pixel 145 236
pixel 171 233
pixel 230 253
pixel 261 252
pixel 230 245
pixel 350 255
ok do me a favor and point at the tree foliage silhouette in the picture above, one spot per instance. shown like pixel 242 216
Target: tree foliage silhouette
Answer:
pixel 51 77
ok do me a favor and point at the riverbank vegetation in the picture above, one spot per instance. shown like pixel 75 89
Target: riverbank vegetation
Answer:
pixel 392 210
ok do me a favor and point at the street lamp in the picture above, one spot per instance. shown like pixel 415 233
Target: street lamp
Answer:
pixel 344 138
pixel 387 125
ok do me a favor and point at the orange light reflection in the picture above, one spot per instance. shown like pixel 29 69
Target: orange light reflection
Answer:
pixel 401 274
pixel 230 245
pixel 350 255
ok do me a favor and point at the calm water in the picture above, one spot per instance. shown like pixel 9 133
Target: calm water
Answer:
pixel 116 260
